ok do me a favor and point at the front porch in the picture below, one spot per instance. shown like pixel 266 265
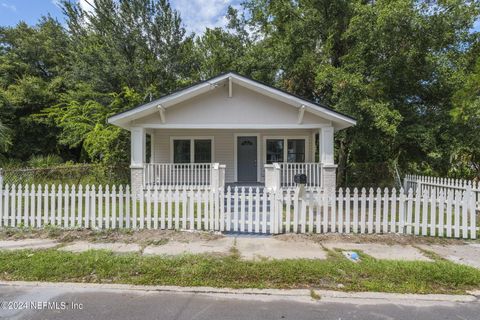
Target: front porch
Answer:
pixel 237 158
pixel 231 130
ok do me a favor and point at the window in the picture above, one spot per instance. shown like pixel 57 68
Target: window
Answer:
pixel 203 151
pixel 274 150
pixel 181 151
pixel 285 150
pixel 189 150
pixel 296 150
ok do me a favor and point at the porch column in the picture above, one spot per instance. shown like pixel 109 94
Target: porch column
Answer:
pixel 137 158
pixel 326 156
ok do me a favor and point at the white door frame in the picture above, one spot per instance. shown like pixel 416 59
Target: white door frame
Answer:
pixel 235 161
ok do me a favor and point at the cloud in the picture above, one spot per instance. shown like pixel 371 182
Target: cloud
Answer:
pixel 85 5
pixel 200 14
pixel 82 3
pixel 8 6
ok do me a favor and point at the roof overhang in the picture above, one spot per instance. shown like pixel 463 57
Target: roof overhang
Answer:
pixel 123 119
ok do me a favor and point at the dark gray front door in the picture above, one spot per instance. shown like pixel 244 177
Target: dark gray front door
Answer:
pixel 247 159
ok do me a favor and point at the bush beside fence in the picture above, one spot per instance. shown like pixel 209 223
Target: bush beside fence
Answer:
pixel 450 214
pixel 67 174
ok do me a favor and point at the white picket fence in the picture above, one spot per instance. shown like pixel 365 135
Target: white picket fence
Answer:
pixel 253 210
pixel 436 184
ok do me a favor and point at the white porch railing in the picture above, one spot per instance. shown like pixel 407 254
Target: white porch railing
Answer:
pixel 177 174
pixel 281 175
pixel 312 170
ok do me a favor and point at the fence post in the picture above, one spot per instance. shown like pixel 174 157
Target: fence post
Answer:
pixel 471 210
pixel 1 178
pixel 272 176
pixel 418 186
pixel 221 176
pixel 215 176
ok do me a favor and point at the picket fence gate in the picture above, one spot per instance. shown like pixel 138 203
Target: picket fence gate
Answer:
pixel 252 210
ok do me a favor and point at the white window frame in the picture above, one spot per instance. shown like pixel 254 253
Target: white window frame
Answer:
pixel 192 146
pixel 285 146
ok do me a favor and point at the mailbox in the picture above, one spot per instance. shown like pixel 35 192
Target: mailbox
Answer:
pixel 300 178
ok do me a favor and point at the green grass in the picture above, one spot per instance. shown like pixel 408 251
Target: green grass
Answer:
pixel 230 271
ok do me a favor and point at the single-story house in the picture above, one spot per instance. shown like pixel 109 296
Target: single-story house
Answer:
pixel 231 129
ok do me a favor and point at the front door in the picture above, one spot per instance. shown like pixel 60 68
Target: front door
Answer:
pixel 247 159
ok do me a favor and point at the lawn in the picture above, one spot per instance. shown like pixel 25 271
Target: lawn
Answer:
pixel 194 270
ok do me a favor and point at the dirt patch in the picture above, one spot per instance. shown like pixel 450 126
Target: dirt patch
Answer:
pixel 159 237
pixel 143 237
pixel 389 239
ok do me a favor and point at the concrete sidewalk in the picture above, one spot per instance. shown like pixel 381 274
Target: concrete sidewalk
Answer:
pixel 261 247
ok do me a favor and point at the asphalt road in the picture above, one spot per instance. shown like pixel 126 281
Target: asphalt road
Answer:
pixel 122 304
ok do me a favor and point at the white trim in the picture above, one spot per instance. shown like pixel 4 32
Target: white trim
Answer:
pixel 312 156
pixel 188 93
pixel 137 146
pixel 285 146
pixel 152 146
pixel 192 145
pixel 230 89
pixel 235 157
pixel 320 146
pixel 161 109
pixel 233 126
pixel 301 112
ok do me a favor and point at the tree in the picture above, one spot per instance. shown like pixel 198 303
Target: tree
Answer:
pixel 465 151
pixel 122 53
pixel 387 63
pixel 31 67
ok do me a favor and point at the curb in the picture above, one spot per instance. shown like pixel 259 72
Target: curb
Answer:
pixel 301 295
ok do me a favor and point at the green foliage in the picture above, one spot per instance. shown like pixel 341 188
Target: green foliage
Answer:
pixel 390 64
pixel 466 115
pixel 370 274
pixel 32 61
pixel 40 161
pixel 407 70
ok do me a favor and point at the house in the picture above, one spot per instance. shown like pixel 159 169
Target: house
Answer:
pixel 231 129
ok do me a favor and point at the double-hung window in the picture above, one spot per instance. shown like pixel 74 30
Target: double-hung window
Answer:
pixel 191 150
pixel 285 150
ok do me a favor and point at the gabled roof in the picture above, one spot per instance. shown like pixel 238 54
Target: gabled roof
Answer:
pixel 340 120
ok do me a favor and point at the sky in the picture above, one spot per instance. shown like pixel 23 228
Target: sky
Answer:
pixel 196 14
